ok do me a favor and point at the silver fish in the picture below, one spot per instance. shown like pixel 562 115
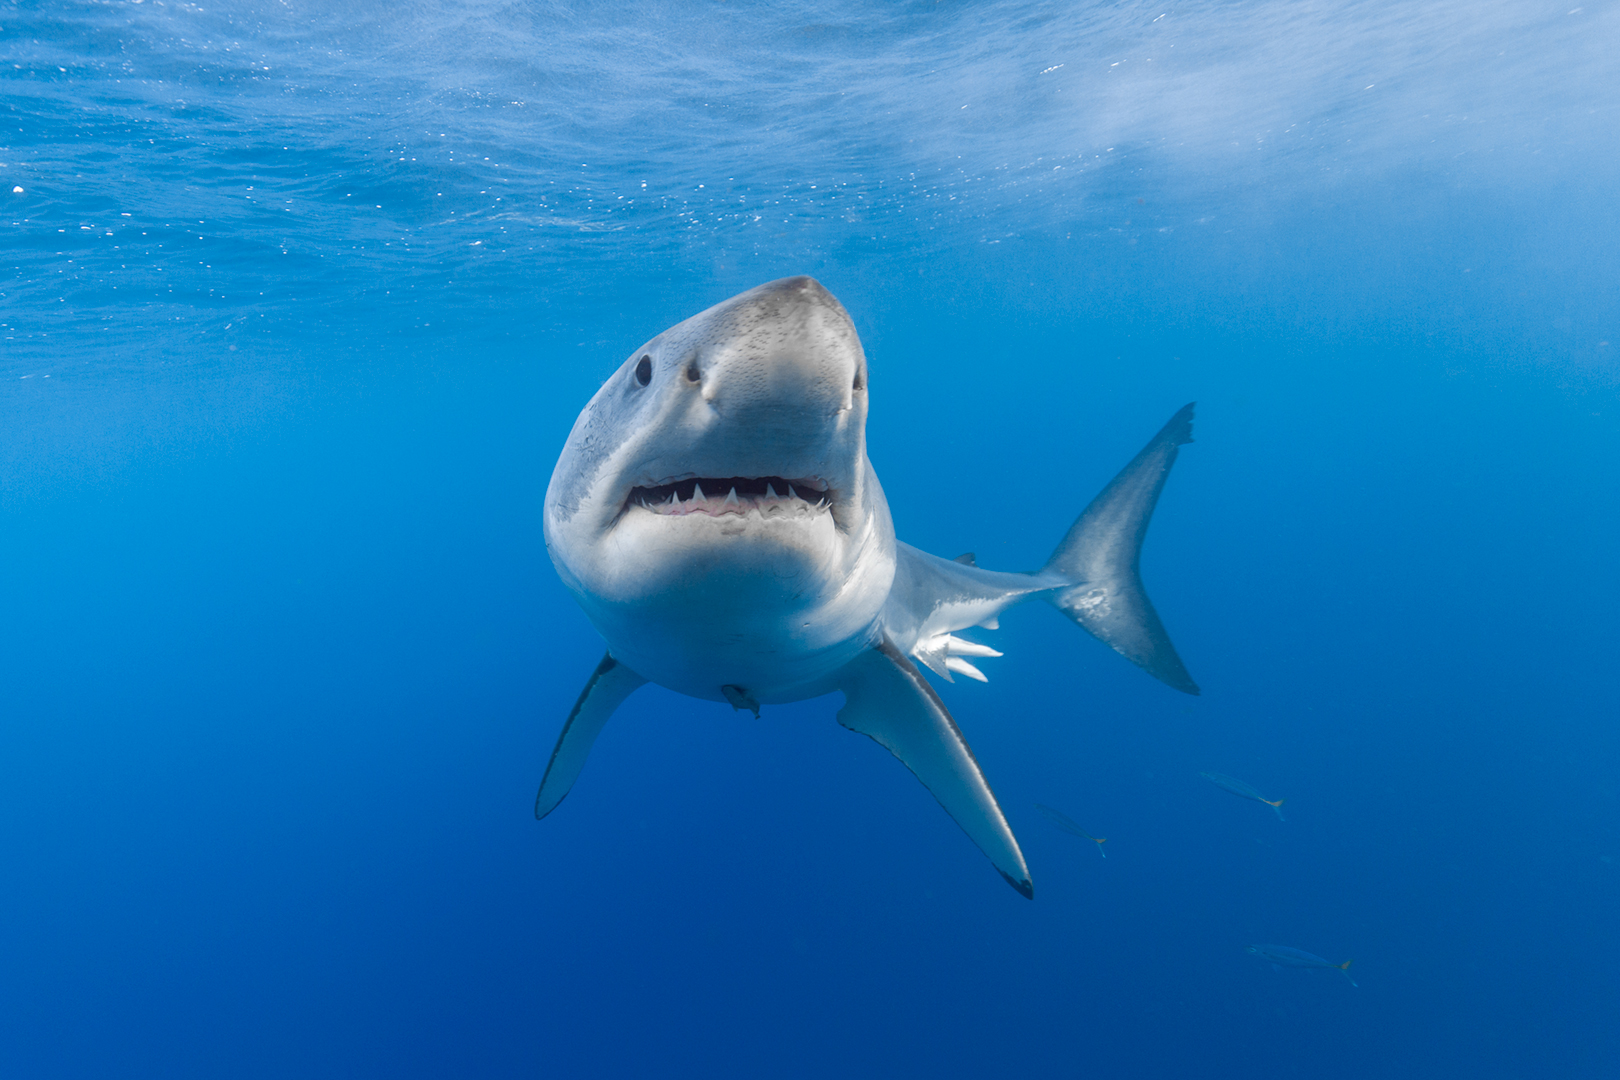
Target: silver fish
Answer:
pixel 1283 956
pixel 1062 821
pixel 1243 791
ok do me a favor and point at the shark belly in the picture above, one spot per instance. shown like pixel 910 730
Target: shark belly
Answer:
pixel 758 604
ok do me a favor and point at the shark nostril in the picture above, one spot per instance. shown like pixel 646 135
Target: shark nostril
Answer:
pixel 644 371
pixel 693 374
pixel 860 379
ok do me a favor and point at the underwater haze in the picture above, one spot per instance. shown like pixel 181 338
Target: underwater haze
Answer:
pixel 298 303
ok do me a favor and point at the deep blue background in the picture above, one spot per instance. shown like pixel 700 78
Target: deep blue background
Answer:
pixel 282 655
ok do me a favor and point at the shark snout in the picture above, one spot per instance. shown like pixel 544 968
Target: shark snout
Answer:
pixel 763 395
pixel 769 384
pixel 790 356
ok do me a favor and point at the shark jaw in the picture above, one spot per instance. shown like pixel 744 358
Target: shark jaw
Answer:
pixel 757 586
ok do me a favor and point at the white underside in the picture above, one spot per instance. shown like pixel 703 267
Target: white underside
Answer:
pixel 764 599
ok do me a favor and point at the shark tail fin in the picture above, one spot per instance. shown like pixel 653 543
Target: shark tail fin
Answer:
pixel 1101 840
pixel 1276 804
pixel 1101 554
pixel 1345 967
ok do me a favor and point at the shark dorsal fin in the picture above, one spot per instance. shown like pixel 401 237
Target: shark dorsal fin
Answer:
pixel 966 559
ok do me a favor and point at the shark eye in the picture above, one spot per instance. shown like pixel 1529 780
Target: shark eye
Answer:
pixel 692 373
pixel 644 371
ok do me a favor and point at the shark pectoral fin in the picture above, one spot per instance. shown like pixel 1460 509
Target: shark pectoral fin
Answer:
pixel 888 699
pixel 1101 554
pixel 609 685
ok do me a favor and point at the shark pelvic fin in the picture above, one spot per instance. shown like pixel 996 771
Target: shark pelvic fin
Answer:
pixel 739 698
pixel 888 699
pixel 1101 556
pixel 609 685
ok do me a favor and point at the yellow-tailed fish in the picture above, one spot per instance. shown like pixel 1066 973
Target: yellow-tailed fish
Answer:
pixel 1243 791
pixel 1283 956
pixel 1062 821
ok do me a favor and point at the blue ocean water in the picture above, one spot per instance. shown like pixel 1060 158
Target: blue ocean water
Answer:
pixel 300 300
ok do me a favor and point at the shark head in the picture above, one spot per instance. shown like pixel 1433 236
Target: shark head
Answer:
pixel 714 510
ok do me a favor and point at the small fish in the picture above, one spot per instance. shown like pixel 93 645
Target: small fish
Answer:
pixel 1283 956
pixel 1062 821
pixel 1243 791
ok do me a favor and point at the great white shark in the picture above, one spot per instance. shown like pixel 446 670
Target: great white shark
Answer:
pixel 715 514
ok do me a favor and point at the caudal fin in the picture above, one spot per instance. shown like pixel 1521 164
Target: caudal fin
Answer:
pixel 1345 967
pixel 1276 804
pixel 1101 555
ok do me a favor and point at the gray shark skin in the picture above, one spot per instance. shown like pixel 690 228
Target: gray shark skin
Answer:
pixel 715 515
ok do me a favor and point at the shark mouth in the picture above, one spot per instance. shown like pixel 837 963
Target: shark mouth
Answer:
pixel 769 496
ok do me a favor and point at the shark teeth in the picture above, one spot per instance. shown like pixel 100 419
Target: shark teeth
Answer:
pixel 744 495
